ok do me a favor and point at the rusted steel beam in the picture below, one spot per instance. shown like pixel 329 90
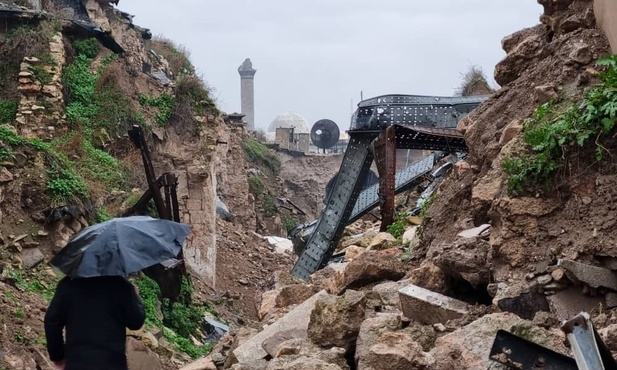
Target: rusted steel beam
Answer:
pixel 137 137
pixel 385 158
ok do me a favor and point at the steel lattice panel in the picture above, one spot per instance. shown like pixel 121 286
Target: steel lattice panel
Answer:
pixel 412 110
pixel 355 166
pixel 369 198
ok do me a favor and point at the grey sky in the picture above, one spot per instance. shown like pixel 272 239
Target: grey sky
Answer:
pixel 313 57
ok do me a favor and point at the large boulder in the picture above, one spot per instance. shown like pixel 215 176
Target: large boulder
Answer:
pixel 372 329
pixel 298 319
pixel 396 351
pixel 294 348
pixel 369 267
pixel 335 321
pixel 139 357
pixel 468 258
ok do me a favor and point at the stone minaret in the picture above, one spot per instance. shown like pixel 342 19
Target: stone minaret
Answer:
pixel 247 94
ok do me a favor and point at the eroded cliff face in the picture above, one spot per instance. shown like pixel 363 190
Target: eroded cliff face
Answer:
pixel 529 233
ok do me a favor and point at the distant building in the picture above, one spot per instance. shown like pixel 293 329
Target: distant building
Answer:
pixel 247 92
pixel 289 120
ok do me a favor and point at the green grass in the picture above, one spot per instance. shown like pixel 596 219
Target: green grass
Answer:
pixel 260 155
pixel 563 126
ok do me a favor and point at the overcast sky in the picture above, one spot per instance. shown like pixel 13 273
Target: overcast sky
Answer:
pixel 313 57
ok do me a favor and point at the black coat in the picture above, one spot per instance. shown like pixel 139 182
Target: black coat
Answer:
pixel 95 313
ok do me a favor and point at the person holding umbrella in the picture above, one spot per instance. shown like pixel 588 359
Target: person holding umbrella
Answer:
pixel 94 302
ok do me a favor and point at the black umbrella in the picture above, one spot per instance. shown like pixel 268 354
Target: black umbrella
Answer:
pixel 121 246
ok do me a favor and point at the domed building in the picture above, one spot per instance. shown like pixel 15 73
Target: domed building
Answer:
pixel 290 120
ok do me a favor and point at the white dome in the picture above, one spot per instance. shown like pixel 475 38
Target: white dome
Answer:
pixel 289 120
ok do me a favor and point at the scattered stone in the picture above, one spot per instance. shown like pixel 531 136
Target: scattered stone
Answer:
pixel 475 232
pixel 20 237
pixel 298 318
pixel 5 175
pixel 521 300
pixel 593 276
pixel 414 220
pixel 15 247
pixel 353 251
pixel 544 279
pixel 382 241
pixel 388 292
pixel 439 327
pixel 396 351
pixel 409 236
pixel 611 299
pixel 581 53
pixel 294 294
pixel 544 93
pixel 272 344
pixel 570 302
pixel 31 257
pixel 609 337
pixel 243 282
pixel 268 303
pixel 205 363
pixel 428 307
pixel 300 363
pixel 558 274
pixel 335 321
pixel 545 320
pixel 429 276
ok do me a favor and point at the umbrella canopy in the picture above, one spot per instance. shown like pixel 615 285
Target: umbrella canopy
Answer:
pixel 121 246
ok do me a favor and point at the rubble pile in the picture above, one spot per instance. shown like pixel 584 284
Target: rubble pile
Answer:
pixel 481 260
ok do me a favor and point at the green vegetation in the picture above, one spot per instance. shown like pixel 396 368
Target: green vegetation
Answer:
pixel 41 74
pixel 180 319
pixel 8 111
pixel 427 204
pixel 18 313
pixel 397 228
pixel 261 155
pixel 164 103
pixel 65 184
pixel 102 215
pixel 561 127
pixel 269 206
pixel 32 285
pixel 89 48
pixel 256 187
pixel 288 224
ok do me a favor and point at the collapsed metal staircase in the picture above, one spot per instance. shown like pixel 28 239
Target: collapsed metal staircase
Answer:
pixel 420 122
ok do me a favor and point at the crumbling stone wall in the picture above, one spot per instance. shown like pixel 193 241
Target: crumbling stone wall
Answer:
pixel 41 102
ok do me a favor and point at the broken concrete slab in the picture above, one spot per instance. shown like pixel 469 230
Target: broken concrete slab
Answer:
pixel 568 303
pixel 475 232
pixel 427 307
pixel 297 319
pixel 593 276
